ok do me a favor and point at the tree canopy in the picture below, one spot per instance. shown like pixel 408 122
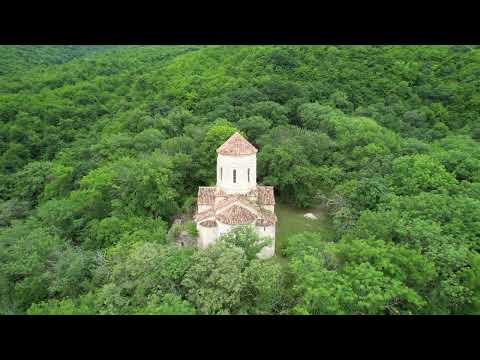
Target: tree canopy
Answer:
pixel 101 147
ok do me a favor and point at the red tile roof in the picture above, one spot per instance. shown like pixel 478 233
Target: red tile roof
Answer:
pixel 236 145
pixel 233 198
pixel 208 223
pixel 229 200
pixel 204 215
pixel 236 215
pixel 265 195
pixel 206 195
pixel 236 209
pixel 266 218
pixel 265 222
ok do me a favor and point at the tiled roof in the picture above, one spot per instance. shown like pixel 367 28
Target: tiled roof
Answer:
pixel 236 215
pixel 209 223
pixel 252 192
pixel 230 211
pixel 266 218
pixel 265 195
pixel 206 195
pixel 236 209
pixel 204 215
pixel 236 145
pixel 231 199
pixel 265 222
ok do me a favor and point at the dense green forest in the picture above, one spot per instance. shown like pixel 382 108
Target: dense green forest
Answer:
pixel 99 154
pixel 17 58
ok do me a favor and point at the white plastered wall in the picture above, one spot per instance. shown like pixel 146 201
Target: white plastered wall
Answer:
pixel 223 228
pixel 206 236
pixel 267 231
pixel 241 163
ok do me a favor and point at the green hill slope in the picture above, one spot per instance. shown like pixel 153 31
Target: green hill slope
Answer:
pixel 17 58
pixel 99 154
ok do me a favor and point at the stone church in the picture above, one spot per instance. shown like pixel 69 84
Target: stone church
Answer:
pixel 236 199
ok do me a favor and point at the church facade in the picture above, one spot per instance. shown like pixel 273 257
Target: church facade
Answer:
pixel 236 199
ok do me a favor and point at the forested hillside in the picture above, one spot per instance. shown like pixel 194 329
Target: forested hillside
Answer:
pixel 17 58
pixel 100 154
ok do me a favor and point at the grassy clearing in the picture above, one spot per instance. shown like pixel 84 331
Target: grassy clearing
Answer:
pixel 291 222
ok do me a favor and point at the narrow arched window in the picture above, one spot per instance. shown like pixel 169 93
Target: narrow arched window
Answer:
pixel 221 173
pixel 248 174
pixel 234 176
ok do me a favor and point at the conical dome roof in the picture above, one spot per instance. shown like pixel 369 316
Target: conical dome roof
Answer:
pixel 236 145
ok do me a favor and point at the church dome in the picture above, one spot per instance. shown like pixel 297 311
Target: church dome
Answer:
pixel 236 145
